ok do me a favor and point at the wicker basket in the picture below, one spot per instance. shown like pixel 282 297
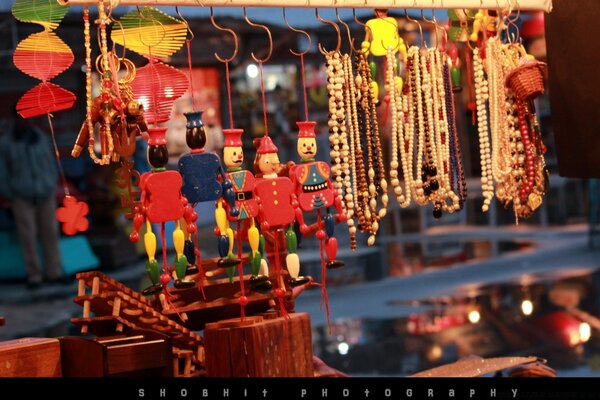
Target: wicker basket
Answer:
pixel 527 79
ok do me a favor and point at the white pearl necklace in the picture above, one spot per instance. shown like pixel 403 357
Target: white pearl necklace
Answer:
pixel 481 96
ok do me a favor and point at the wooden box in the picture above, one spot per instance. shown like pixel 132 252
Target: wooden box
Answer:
pixel 140 353
pixel 261 346
pixel 30 357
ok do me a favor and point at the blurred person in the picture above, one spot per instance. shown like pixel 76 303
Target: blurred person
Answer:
pixel 28 180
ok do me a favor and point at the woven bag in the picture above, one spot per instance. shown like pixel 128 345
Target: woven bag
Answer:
pixel 527 79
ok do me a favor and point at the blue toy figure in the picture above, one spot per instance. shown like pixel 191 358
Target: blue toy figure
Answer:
pixel 204 180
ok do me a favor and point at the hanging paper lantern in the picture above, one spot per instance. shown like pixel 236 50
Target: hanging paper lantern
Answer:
pixel 47 13
pixel 157 86
pixel 43 99
pixel 43 56
pixel 150 32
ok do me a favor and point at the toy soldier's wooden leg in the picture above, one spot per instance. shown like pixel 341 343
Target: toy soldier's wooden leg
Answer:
pixel 189 249
pixel 292 260
pixel 190 253
pixel 225 241
pixel 259 281
pixel 152 267
pixel 331 244
pixel 181 261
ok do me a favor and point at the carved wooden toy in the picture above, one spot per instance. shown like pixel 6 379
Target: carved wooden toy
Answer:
pixel 243 182
pixel 204 180
pixel 381 32
pixel 277 207
pixel 162 201
pixel 312 185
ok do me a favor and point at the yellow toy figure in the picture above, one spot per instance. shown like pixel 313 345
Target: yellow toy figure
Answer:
pixel 484 23
pixel 381 32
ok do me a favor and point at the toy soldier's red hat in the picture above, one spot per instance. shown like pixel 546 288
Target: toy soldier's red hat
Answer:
pixel 157 136
pixel 233 137
pixel 306 129
pixel 267 146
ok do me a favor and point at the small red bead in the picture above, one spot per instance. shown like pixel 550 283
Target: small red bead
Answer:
pixel 320 234
pixel 134 237
pixel 165 279
pixel 217 232
pixel 243 301
pixel 279 292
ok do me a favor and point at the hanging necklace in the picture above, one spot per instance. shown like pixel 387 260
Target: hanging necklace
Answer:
pixel 481 96
pixel 392 90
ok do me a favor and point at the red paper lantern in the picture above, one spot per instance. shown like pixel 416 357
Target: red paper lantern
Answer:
pixel 157 86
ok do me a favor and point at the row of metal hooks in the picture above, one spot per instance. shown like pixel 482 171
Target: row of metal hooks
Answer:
pixel 351 40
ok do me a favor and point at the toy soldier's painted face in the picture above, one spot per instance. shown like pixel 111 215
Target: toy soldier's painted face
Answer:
pixel 269 163
pixel 233 156
pixel 307 148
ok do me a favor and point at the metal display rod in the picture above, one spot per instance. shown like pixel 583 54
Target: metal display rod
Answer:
pixel 542 5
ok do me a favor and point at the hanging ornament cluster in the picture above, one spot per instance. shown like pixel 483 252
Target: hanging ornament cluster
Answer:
pixel 425 163
pixel 415 109
pixel 513 160
pixel 43 56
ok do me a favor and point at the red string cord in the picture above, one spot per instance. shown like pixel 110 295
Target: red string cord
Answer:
pixel 154 102
pixel 229 94
pixel 57 156
pixel 189 57
pixel 278 275
pixel 324 296
pixel 264 100
pixel 199 263
pixel 241 270
pixel 386 98
pixel 304 86
pixel 470 85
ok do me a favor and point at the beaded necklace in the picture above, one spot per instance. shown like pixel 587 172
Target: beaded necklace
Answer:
pixel 481 96
pixel 353 130
pixel 417 103
pixel 396 109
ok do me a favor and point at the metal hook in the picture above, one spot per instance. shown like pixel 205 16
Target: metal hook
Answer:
pixel 187 25
pixel 434 26
pixel 350 38
pixel 418 24
pixel 258 60
pixel 367 30
pixel 153 20
pixel 122 34
pixel 228 30
pixel 337 30
pixel 513 21
pixel 298 31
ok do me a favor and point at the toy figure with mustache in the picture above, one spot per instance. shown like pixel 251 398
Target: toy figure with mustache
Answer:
pixel 243 182
pixel 312 185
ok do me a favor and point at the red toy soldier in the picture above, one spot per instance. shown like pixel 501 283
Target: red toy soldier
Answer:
pixel 162 201
pixel 277 203
pixel 312 185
